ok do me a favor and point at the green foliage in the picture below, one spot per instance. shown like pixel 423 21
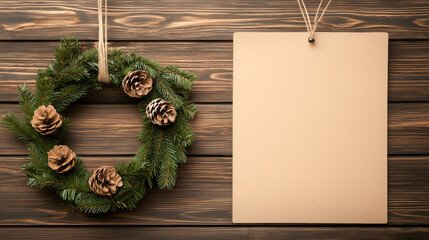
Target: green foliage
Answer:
pixel 67 95
pixel 182 79
pixel 21 128
pixel 27 102
pixel 67 79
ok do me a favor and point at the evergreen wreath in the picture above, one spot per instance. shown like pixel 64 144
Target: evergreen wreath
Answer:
pixel 163 94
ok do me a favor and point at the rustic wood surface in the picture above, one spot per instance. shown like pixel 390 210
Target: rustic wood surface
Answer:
pixel 211 61
pixel 101 130
pixel 219 232
pixel 98 129
pixel 207 19
pixel 202 196
pixel 197 35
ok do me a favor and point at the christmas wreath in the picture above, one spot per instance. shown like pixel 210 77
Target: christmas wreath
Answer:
pixel 162 94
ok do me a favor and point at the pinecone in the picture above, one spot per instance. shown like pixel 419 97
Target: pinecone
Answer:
pixel 61 159
pixel 137 83
pixel 105 181
pixel 161 112
pixel 46 120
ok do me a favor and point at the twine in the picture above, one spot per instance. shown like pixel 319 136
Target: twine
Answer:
pixel 311 29
pixel 103 71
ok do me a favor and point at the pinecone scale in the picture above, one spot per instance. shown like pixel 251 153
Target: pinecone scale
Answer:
pixel 46 120
pixel 61 159
pixel 105 181
pixel 137 83
pixel 161 112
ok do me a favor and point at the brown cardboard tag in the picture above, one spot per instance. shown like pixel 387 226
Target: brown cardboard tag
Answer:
pixel 310 128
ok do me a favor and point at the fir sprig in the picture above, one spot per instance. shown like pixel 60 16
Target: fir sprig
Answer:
pixel 67 79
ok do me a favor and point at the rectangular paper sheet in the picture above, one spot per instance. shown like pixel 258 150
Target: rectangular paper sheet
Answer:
pixel 310 128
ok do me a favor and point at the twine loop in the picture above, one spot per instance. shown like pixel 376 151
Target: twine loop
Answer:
pixel 311 29
pixel 103 71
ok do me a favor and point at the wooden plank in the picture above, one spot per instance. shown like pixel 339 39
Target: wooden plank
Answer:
pixel 408 192
pixel 211 19
pixel 409 71
pixel 212 62
pixel 212 233
pixel 202 196
pixel 409 128
pixel 113 129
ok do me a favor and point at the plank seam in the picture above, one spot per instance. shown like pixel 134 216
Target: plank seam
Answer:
pixel 180 40
pixel 226 226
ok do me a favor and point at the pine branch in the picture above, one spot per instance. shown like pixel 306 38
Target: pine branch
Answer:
pixel 182 131
pixel 38 157
pixel 119 66
pixel 181 154
pixel 68 50
pixel 59 136
pixel 179 78
pixel 168 163
pixel 164 88
pixel 157 153
pixel 68 78
pixel 71 74
pixel 22 129
pixel 27 102
pixel 44 88
pixel 142 63
pixel 67 95
pixel 91 203
pixel 189 110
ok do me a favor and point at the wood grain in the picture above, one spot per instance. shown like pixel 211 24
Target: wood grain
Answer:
pixel 101 129
pixel 408 128
pixel 212 233
pixel 210 19
pixel 408 71
pixel 212 62
pixel 112 130
pixel 408 193
pixel 197 36
pixel 202 196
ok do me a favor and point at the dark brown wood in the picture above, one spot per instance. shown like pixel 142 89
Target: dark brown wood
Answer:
pixel 212 62
pixel 212 233
pixel 408 193
pixel 409 128
pixel 113 129
pixel 408 71
pixel 202 196
pixel 210 19
pixel 101 130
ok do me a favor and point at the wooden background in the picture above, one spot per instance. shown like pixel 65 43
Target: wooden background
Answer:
pixel 198 36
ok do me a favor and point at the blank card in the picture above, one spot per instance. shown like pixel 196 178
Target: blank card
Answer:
pixel 310 128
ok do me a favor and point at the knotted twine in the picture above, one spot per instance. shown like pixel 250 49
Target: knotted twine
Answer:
pixel 312 28
pixel 103 71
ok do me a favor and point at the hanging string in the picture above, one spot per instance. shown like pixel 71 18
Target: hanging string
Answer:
pixel 103 71
pixel 311 29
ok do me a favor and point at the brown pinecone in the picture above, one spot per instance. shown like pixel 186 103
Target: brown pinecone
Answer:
pixel 161 112
pixel 105 181
pixel 61 159
pixel 137 83
pixel 46 120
